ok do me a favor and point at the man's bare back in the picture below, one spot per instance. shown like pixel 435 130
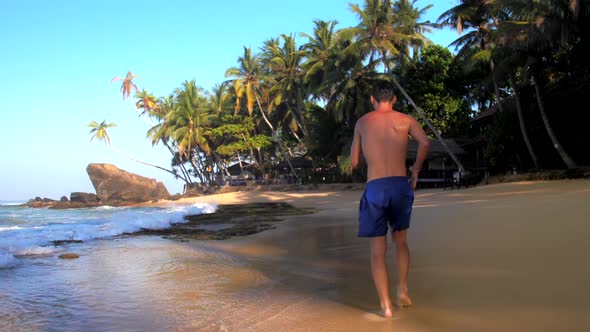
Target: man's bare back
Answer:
pixel 381 137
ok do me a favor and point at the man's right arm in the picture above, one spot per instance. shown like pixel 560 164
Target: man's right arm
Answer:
pixel 419 135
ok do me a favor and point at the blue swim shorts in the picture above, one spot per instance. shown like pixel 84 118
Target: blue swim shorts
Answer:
pixel 386 202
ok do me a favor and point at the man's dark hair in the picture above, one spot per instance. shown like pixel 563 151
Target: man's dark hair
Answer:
pixel 383 91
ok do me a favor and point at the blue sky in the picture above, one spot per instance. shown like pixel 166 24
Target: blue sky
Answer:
pixel 57 59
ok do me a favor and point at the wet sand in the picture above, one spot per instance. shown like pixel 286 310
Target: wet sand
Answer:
pixel 505 257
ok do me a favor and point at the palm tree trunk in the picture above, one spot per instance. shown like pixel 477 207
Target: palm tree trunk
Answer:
pixel 569 162
pixel 294 134
pixel 298 117
pixel 240 162
pixel 179 162
pixel 279 141
pixel 196 168
pixel 525 136
pixel 425 119
pixel 259 163
pixel 143 162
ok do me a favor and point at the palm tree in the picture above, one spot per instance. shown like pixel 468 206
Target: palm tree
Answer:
pixel 146 101
pixel 376 36
pixel 248 84
pixel 188 125
pixel 99 131
pixel 221 100
pixel 539 28
pixel 321 56
pixel 127 84
pixel 406 20
pixel 284 67
pixel 160 133
pixel 479 19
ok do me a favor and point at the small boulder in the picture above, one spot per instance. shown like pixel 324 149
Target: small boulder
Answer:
pixel 83 197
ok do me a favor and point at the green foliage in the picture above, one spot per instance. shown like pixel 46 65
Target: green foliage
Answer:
pixel 428 82
pixel 233 134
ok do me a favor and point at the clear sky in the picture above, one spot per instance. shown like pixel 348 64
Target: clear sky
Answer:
pixel 57 59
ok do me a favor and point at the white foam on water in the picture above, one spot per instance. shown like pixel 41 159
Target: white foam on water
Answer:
pixel 11 203
pixel 85 225
pixel 7 260
pixel 9 228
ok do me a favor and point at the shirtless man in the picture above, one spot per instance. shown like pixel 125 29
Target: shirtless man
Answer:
pixel 381 137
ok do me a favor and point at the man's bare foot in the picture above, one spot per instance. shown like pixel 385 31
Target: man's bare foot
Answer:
pixel 388 312
pixel 403 299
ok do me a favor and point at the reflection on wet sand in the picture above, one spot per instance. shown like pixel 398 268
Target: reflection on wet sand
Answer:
pixel 474 267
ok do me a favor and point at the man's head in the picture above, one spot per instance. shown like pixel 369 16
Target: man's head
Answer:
pixel 383 91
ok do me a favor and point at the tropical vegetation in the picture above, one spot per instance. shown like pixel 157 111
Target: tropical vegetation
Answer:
pixel 509 93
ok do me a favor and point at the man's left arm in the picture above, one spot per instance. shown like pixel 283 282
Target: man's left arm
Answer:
pixel 356 149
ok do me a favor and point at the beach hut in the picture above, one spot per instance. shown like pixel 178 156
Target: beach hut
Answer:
pixel 438 167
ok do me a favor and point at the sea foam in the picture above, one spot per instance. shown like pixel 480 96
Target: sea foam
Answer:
pixel 37 236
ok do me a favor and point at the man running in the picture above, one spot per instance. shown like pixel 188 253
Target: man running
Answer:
pixel 381 137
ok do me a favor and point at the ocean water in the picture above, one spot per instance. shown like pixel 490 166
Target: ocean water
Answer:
pixel 118 283
pixel 28 232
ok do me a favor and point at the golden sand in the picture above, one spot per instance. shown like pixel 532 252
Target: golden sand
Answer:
pixel 503 257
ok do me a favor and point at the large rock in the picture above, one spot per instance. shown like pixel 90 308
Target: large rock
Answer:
pixel 114 185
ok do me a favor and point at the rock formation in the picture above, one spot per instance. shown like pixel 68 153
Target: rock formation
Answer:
pixel 116 186
pixel 113 186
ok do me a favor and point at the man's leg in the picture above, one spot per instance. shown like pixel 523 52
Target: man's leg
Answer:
pixel 380 275
pixel 403 263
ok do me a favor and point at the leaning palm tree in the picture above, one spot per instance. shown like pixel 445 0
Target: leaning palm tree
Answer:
pixel 479 18
pixel 160 133
pixel 99 131
pixel 539 28
pixel 379 37
pixel 126 84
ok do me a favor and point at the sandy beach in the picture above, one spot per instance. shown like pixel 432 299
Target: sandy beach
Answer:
pixel 503 257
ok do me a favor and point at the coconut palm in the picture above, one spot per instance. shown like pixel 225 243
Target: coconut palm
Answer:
pixel 248 83
pixel 538 29
pixel 376 38
pixel 160 133
pixel 221 100
pixel 406 19
pixel 146 101
pixel 126 84
pixel 284 65
pixel 99 131
pixel 321 56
